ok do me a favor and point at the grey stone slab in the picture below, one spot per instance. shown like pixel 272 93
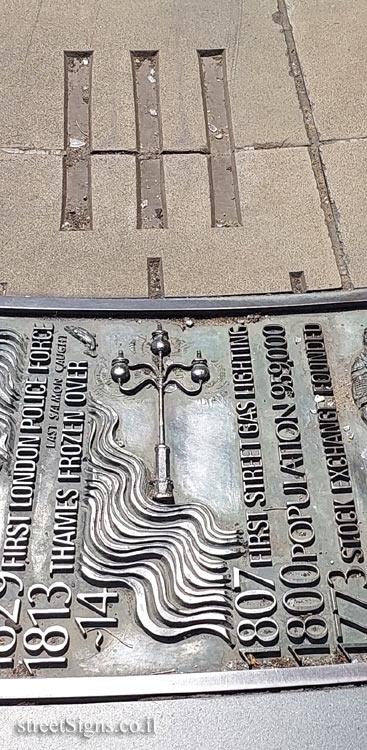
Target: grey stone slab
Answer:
pixel 282 229
pixel 156 26
pixel 323 719
pixel 36 258
pixel 346 172
pixel 332 44
pixel 263 99
pixel 32 54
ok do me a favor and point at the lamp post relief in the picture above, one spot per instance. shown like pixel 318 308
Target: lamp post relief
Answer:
pixel 160 379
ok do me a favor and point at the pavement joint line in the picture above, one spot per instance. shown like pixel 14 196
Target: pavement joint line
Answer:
pixel 156 154
pixel 272 146
pixel 343 140
pixel 327 203
pixel 29 151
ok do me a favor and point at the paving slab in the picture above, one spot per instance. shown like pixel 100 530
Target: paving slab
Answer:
pixel 275 195
pixel 32 54
pixel 282 229
pixel 332 45
pixel 346 172
pixel 263 99
pixel 36 258
pixel 265 107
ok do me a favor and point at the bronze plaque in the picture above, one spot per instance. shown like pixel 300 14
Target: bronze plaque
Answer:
pixel 182 497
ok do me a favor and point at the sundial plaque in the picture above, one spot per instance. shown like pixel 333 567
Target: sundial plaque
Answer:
pixel 182 503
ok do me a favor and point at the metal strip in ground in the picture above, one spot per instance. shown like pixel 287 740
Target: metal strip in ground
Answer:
pixel 155 278
pixel 298 282
pixel 224 196
pixel 151 202
pixel 257 304
pixel 76 195
pixel 78 689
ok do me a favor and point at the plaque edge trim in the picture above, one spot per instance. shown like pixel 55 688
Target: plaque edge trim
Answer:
pixel 91 689
pixel 277 303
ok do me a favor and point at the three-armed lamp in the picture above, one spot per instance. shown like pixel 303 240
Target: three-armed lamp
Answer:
pixel 160 378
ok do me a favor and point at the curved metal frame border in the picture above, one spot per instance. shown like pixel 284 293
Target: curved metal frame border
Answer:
pixel 98 689
pixel 277 304
pixel 88 689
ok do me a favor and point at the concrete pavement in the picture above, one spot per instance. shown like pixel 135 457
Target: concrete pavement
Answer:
pixel 292 218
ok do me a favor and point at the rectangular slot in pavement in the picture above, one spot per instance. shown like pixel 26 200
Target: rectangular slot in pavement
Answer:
pixel 76 195
pixel 151 202
pixel 224 196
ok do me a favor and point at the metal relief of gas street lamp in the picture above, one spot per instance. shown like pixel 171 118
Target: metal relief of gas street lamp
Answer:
pixel 160 378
